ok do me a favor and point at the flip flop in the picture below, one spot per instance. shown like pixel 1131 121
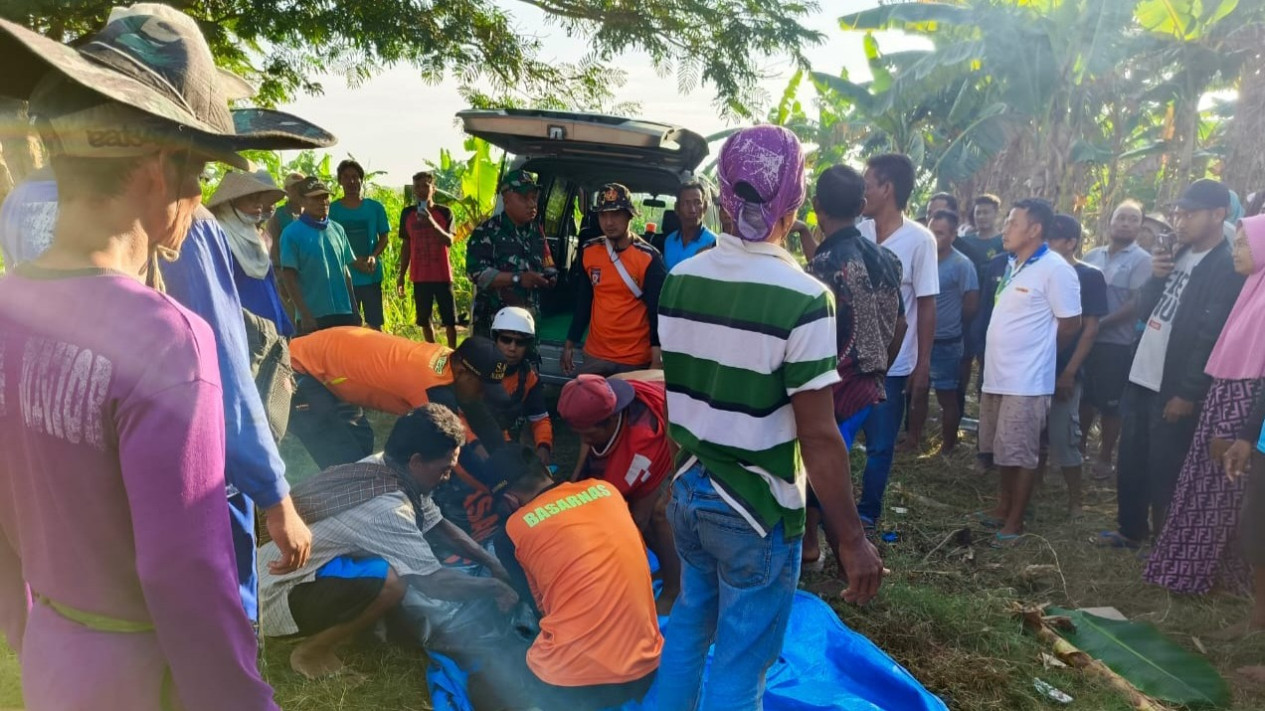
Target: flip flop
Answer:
pixel 986 519
pixel 1113 539
pixel 1004 540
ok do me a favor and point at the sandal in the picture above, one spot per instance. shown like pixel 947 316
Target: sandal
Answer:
pixel 986 519
pixel 1004 540
pixel 1114 539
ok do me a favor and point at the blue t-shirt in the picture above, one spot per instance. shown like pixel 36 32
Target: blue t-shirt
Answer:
pixel 957 277
pixel 202 281
pixel 321 257
pixel 27 217
pixel 674 252
pixel 364 226
pixel 262 298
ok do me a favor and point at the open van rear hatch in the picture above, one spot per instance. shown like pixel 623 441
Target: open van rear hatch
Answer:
pixel 588 137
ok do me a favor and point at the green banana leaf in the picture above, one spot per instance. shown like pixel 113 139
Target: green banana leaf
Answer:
pixel 1146 658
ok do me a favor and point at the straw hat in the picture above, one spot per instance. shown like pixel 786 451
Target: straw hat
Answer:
pixel 235 185
pixel 145 81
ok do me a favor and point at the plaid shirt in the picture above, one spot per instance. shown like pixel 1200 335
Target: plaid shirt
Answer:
pixel 352 510
pixel 428 256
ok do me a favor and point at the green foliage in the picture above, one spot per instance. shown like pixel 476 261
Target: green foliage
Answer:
pixel 1083 102
pixel 285 47
pixel 1183 19
pixel 1142 654
pixel 467 186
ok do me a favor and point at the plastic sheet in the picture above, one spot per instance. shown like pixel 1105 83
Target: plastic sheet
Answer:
pixel 824 665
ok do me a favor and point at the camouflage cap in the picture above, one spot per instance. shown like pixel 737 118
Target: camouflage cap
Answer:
pixel 313 186
pixel 613 197
pixel 520 181
pixel 146 81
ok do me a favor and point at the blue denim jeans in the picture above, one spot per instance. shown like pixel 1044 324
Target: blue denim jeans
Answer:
pixel 881 428
pixel 849 427
pixel 736 591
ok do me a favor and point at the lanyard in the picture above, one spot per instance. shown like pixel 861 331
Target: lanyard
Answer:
pixel 1012 272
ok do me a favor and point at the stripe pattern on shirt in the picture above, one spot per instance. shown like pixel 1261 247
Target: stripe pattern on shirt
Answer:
pixel 743 328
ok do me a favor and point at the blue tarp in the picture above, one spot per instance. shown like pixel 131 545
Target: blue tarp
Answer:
pixel 824 665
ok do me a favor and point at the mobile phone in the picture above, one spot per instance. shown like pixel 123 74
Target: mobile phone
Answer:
pixel 1167 241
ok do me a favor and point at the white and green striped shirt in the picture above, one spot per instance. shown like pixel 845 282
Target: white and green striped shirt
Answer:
pixel 743 328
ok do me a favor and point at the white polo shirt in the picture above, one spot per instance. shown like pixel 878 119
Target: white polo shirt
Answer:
pixel 915 246
pixel 1019 356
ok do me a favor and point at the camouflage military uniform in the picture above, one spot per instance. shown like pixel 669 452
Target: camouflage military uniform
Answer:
pixel 498 245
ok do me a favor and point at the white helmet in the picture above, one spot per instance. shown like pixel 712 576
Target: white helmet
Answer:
pixel 514 318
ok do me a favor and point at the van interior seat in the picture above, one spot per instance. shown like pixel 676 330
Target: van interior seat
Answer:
pixel 670 223
pixel 590 228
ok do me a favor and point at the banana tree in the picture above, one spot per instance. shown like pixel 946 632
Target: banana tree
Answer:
pixel 1032 70
pixel 1201 44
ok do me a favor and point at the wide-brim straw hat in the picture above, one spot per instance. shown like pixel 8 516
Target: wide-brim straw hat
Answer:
pixel 236 185
pixel 146 79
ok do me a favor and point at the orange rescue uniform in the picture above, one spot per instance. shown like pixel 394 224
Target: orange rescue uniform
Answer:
pixel 527 398
pixel 622 327
pixel 373 369
pixel 396 375
pixel 586 565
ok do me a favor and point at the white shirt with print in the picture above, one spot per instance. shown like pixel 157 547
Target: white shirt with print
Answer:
pixel 1148 362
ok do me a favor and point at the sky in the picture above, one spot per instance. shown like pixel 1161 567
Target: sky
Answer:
pixel 396 122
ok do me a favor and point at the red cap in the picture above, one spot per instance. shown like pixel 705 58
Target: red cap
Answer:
pixel 589 399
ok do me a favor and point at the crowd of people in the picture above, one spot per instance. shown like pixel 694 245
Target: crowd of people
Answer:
pixel 153 352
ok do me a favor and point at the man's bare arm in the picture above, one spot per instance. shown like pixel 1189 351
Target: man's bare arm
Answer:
pixel 826 459
pixel 1068 328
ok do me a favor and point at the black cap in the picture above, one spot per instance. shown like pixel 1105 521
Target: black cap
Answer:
pixel 1065 227
pixel 1204 195
pixel 481 357
pixel 507 464
pixel 312 186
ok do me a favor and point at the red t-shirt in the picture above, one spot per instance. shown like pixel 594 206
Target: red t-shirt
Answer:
pixel 428 255
pixel 639 459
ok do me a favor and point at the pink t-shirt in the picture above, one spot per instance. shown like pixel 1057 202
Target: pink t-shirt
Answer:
pixel 112 497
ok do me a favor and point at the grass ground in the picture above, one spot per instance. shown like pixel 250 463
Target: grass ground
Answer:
pixel 942 613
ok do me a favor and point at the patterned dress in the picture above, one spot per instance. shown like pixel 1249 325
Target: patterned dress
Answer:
pixel 1199 546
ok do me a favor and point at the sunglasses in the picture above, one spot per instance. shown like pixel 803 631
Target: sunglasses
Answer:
pixel 512 341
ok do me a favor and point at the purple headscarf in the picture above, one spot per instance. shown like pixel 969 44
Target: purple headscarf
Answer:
pixel 761 179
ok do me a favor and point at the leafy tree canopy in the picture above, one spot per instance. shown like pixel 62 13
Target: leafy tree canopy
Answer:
pixel 284 45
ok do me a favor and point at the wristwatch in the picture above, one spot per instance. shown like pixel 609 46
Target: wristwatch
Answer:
pixel 516 278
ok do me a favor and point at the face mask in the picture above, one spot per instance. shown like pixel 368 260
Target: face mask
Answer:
pixel 423 203
pixel 250 219
pixel 267 214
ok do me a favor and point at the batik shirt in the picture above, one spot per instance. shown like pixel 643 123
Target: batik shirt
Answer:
pixel 865 279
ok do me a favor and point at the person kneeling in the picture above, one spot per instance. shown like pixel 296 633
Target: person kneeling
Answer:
pixel 622 423
pixel 573 548
pixel 372 525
